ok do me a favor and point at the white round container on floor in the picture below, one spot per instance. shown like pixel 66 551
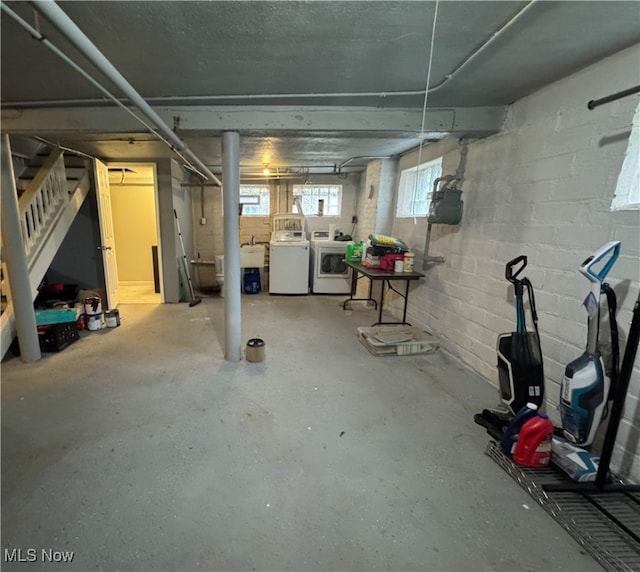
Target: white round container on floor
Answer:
pixel 94 322
pixel 93 305
pixel 112 318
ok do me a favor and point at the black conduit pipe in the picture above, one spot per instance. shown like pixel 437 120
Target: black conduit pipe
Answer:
pixel 597 102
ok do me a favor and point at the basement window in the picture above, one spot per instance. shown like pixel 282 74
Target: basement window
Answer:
pixel 311 195
pixel 627 197
pixel 415 187
pixel 255 200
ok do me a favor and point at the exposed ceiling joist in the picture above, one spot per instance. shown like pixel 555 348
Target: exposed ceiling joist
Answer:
pixel 463 121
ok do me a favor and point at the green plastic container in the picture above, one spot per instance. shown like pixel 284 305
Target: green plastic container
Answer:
pixel 55 316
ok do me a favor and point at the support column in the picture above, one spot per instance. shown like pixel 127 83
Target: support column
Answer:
pixel 13 254
pixel 167 225
pixel 230 204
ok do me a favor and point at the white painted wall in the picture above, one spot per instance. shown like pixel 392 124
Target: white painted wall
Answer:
pixel 543 187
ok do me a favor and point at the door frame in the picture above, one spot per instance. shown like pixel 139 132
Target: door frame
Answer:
pixel 154 167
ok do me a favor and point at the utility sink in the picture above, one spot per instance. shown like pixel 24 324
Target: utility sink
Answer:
pixel 252 256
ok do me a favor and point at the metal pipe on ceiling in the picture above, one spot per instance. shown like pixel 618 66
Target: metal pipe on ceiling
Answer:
pixel 492 38
pixel 266 96
pixel 199 185
pixel 44 41
pixel 64 148
pixel 272 169
pixel 76 36
pixel 367 157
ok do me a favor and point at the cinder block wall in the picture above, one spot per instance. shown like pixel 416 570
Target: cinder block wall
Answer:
pixel 543 187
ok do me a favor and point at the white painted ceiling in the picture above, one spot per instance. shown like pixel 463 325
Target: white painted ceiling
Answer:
pixel 309 85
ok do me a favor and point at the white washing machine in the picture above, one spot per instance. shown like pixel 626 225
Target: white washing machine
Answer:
pixel 328 272
pixel 288 259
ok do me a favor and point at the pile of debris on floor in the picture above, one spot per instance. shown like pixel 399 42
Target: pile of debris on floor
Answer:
pixel 400 340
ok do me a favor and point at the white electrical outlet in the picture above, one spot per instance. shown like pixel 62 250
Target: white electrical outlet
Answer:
pixel 203 220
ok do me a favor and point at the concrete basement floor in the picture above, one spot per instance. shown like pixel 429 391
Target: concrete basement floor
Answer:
pixel 140 448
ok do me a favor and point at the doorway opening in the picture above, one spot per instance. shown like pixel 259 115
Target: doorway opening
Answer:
pixel 134 207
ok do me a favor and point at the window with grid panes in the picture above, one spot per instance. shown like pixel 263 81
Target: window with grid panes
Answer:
pixel 415 188
pixel 311 194
pixel 254 200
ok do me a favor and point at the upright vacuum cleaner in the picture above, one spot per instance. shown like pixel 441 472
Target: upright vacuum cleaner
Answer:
pixel 595 491
pixel 520 370
pixel 586 388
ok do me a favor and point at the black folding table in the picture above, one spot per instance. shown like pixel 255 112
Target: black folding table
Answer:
pixel 384 276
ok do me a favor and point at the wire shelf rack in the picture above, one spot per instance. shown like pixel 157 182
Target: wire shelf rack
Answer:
pixel 597 521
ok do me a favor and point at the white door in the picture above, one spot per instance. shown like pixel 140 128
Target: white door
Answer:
pixel 108 246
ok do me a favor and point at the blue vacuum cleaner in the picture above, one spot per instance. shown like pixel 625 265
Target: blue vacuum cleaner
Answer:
pixel 585 389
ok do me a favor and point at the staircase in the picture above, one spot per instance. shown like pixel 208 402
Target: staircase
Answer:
pixel 51 188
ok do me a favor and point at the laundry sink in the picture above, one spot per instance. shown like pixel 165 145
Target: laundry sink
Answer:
pixel 252 256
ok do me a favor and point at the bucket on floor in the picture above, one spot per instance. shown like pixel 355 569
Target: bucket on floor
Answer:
pixel 112 318
pixel 252 281
pixel 255 350
pixel 94 322
pixel 93 305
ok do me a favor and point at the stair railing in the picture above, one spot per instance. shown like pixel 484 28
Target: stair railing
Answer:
pixel 45 196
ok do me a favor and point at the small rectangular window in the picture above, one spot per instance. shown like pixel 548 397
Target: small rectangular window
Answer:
pixel 255 200
pixel 311 194
pixel 415 188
